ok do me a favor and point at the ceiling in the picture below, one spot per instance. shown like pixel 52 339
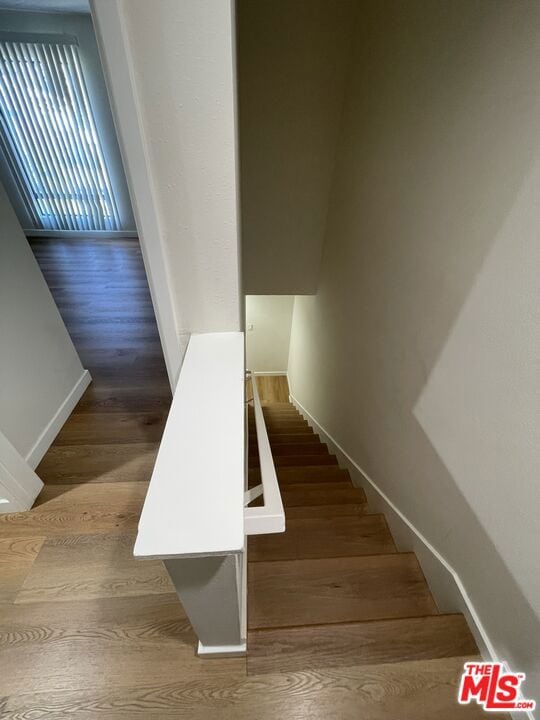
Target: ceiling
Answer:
pixel 65 6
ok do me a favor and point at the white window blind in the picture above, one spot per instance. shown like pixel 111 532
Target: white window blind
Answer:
pixel 49 138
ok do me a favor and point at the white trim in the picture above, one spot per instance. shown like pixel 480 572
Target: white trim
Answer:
pixel 119 76
pixel 221 651
pixel 19 484
pixel 52 429
pixel 76 235
pixel 448 590
pixel 271 372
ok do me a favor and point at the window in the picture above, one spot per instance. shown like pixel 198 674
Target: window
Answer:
pixel 49 137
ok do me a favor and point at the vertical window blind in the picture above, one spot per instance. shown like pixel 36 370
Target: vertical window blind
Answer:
pixel 49 138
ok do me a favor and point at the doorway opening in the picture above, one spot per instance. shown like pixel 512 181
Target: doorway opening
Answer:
pixel 268 324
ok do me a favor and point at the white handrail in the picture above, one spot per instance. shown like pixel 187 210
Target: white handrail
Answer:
pixel 270 517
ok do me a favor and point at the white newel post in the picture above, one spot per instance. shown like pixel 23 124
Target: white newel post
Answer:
pixel 211 591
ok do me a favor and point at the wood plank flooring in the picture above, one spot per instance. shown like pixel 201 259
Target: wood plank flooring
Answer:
pixel 16 558
pixel 88 633
pixel 421 690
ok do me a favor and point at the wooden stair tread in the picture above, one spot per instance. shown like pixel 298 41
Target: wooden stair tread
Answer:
pixel 282 428
pixel 304 448
pixel 307 592
pixel 273 432
pixel 312 474
pixel 282 415
pixel 305 474
pixel 278 405
pixel 296 460
pixel 270 411
pixel 332 493
pixel 364 643
pixel 294 439
pixel 322 511
pixel 280 420
pixel 324 537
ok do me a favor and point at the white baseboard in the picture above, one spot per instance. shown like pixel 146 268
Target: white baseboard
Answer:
pixel 444 582
pixel 19 484
pixel 272 372
pixel 52 429
pixel 221 651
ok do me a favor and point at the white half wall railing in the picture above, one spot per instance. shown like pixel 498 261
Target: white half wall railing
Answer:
pixel 194 516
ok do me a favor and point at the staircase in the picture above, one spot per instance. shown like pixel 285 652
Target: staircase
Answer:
pixel 333 590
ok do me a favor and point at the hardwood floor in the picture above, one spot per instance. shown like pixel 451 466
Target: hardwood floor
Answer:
pixel 101 291
pixel 89 633
pixel 272 389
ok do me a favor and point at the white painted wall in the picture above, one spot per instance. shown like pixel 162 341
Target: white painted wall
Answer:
pixel 292 60
pixel 268 332
pixel 170 71
pixel 41 376
pixel 419 352
pixel 80 26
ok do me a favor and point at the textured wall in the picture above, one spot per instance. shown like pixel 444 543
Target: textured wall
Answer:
pixel 38 364
pixel 170 71
pixel 182 57
pixel 292 60
pixel 419 353
pixel 267 343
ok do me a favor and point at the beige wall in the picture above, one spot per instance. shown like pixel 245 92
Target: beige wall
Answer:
pixel 419 353
pixel 268 332
pixel 39 367
pixel 292 58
